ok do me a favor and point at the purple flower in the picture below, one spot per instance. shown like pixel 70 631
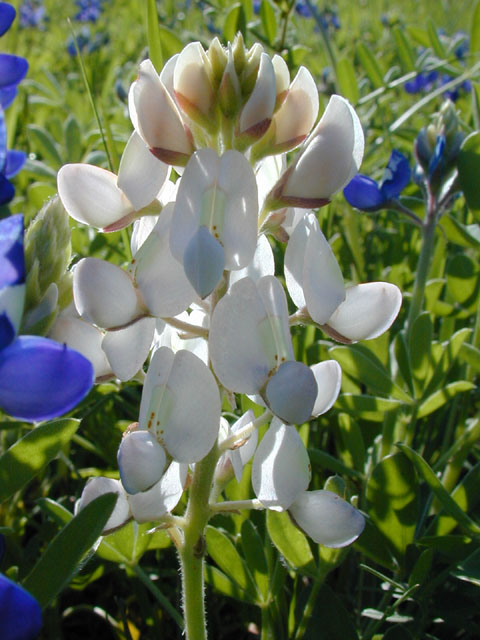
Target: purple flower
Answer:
pixel 368 195
pixel 423 81
pixel 39 378
pixel 20 613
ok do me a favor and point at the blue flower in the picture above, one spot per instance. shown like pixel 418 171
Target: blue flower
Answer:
pixel 32 13
pixel 10 164
pixel 423 81
pixel 90 10
pixel 366 194
pixel 20 613
pixel 39 378
pixel 7 15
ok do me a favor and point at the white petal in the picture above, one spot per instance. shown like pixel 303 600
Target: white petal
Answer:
pixel 181 404
pixel 249 334
pixel 268 171
pixel 162 498
pixel 128 348
pixel 141 461
pixel 204 261
pixel 141 229
pixel 167 74
pixel 83 337
pixel 141 175
pixel 368 311
pixel 332 154
pixel 160 278
pixel 282 75
pixel 91 195
pixel 328 375
pixel 96 487
pixel 296 117
pixel 291 392
pixel 327 519
pixel 312 274
pixel 262 263
pixel 322 279
pixel 239 457
pixel 221 194
pixel 104 294
pixel 191 80
pixel 156 117
pixel 281 468
pixel 260 105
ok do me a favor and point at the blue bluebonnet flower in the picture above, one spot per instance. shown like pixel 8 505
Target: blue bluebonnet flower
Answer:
pixel 32 13
pixel 423 81
pixel 10 164
pixel 12 68
pixel 85 43
pixel 366 194
pixel 90 10
pixel 20 613
pixel 39 378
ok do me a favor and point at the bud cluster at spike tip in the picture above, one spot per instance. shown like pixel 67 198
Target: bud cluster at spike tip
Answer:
pixel 201 297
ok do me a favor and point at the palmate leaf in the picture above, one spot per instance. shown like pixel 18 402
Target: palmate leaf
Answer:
pixel 60 560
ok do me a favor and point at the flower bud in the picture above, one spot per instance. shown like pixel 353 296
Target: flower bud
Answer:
pixel 218 61
pixel 230 93
pixel 282 79
pixel 257 113
pixel 192 86
pixel 141 461
pixel 156 118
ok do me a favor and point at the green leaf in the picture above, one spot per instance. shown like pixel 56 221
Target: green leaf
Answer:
pixel 404 49
pixel 420 351
pixel 456 547
pixel 73 139
pixel 475 29
pixel 252 545
pixel 347 80
pixel 350 442
pixel 435 42
pixel 370 65
pixel 421 568
pixel 171 43
pixel 153 35
pixel 330 619
pixel 403 359
pixel 28 456
pixel 471 355
pixel 469 569
pixel 367 407
pixel 234 22
pixel 127 545
pixel 291 542
pixel 392 499
pixel 225 585
pixel 449 352
pixel 44 144
pixel 222 550
pixel 442 396
pixel 60 560
pixel 398 632
pixel 326 461
pixel 462 280
pixel 468 165
pixel 466 495
pixel 269 21
pixel 458 233
pixel 442 495
pixel 364 367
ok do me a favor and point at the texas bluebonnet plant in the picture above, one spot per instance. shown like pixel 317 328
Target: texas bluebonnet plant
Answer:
pixel 12 71
pixel 20 613
pixel 39 378
pixel 201 295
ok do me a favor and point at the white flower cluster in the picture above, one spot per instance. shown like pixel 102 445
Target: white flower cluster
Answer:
pixel 200 293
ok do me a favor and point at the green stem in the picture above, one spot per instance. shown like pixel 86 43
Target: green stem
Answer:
pixel 308 610
pixel 428 241
pixel 155 591
pixel 193 550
